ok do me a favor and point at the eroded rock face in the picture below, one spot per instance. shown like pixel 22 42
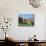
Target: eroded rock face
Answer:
pixel 35 3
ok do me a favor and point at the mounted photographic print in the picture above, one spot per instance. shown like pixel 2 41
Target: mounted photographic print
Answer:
pixel 25 19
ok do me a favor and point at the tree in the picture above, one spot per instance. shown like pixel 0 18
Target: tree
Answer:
pixel 20 20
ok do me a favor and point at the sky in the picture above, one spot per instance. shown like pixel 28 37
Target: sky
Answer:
pixel 26 16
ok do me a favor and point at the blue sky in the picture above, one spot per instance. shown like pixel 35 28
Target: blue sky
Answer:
pixel 26 16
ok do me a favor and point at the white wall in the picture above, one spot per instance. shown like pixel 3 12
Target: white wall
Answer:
pixel 11 7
